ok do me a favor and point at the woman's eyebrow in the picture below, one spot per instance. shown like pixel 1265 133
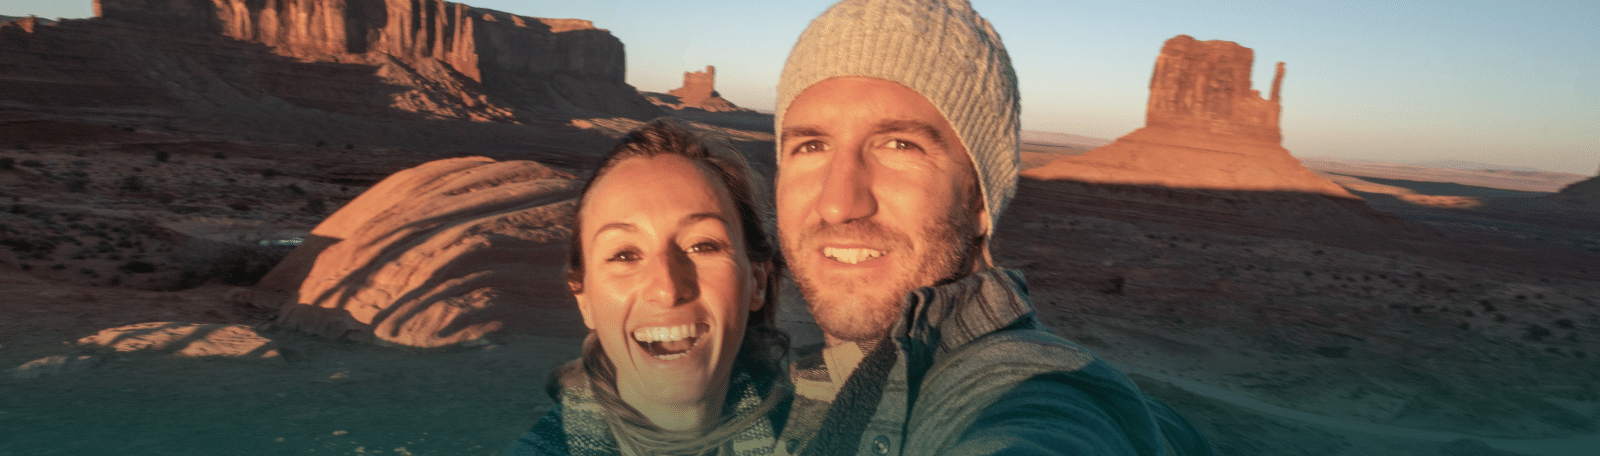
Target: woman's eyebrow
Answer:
pixel 700 216
pixel 619 226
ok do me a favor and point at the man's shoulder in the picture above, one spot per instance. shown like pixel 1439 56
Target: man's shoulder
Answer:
pixel 1018 352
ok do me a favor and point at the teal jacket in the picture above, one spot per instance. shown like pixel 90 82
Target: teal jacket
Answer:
pixel 971 372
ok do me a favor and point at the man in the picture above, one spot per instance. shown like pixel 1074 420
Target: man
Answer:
pixel 897 152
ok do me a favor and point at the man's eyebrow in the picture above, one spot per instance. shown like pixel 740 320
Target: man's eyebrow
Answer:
pixel 909 126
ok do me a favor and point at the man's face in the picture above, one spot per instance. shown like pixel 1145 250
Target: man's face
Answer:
pixel 875 198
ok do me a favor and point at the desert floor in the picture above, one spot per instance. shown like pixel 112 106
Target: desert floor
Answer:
pixel 1480 335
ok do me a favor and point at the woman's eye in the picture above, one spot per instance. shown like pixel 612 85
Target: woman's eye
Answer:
pixel 624 256
pixel 705 247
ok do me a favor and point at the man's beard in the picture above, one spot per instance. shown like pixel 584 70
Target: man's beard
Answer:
pixel 863 309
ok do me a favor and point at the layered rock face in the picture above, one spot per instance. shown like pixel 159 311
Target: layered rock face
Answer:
pixel 699 91
pixel 1204 128
pixel 240 60
pixel 449 252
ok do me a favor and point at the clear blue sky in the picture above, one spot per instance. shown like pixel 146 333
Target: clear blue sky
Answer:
pixel 1509 83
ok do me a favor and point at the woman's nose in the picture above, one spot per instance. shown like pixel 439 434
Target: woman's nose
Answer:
pixel 673 280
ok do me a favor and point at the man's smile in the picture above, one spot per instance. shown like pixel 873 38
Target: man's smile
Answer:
pixel 851 255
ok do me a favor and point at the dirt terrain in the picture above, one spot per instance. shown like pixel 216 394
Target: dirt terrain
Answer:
pixel 1452 331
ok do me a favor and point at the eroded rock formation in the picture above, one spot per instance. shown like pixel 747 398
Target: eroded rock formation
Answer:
pixel 285 66
pixel 699 91
pixel 1204 128
pixel 1209 157
pixel 448 252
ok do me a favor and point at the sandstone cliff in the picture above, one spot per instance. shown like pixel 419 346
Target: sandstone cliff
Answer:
pixel 281 68
pixel 1204 128
pixel 699 91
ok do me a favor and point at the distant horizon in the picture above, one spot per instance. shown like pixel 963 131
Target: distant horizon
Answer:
pixel 1516 85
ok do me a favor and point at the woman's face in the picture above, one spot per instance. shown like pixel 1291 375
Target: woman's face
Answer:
pixel 667 287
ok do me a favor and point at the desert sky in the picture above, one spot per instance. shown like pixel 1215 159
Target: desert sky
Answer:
pixel 1508 83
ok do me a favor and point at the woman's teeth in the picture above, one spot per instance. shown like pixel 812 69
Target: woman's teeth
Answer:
pixel 850 256
pixel 668 342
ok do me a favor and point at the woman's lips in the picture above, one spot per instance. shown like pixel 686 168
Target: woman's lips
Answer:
pixel 667 343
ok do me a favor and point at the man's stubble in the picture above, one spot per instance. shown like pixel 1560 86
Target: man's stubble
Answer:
pixel 864 308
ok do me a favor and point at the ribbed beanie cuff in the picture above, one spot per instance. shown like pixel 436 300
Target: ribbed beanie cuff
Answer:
pixel 941 49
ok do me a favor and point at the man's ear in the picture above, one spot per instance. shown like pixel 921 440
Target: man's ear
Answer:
pixel 583 303
pixel 760 270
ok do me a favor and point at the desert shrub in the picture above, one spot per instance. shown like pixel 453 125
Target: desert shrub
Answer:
pixel 269 173
pixel 219 155
pixel 31 164
pixel 162 156
pixel 239 206
pixel 315 206
pixel 321 143
pixel 295 189
pixel 349 146
pixel 77 185
pixel 30 248
pixel 7 163
pixel 132 184
pixel 1536 333
pixel 1564 323
pixel 137 267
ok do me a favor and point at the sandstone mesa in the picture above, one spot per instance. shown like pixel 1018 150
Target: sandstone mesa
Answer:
pixel 1204 128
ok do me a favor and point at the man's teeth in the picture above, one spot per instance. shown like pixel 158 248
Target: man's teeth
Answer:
pixel 850 256
pixel 666 333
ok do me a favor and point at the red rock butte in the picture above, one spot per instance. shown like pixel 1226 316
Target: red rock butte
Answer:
pixel 700 91
pixel 1205 128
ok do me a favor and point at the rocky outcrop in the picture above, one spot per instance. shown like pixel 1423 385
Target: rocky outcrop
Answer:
pixel 450 252
pixel 254 64
pixel 1208 158
pixel 1583 195
pixel 1204 128
pixel 699 92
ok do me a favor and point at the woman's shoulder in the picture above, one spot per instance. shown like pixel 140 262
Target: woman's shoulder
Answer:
pixel 546 438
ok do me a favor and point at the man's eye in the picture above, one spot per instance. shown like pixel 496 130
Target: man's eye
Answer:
pixel 901 145
pixel 810 147
pixel 625 256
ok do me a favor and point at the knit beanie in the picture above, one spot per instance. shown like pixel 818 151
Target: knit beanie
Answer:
pixel 941 49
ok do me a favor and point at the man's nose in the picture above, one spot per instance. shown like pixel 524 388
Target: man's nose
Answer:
pixel 847 189
pixel 672 279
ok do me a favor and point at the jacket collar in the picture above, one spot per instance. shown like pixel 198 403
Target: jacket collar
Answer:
pixel 945 317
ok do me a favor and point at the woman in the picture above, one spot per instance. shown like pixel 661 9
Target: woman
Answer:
pixel 677 281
